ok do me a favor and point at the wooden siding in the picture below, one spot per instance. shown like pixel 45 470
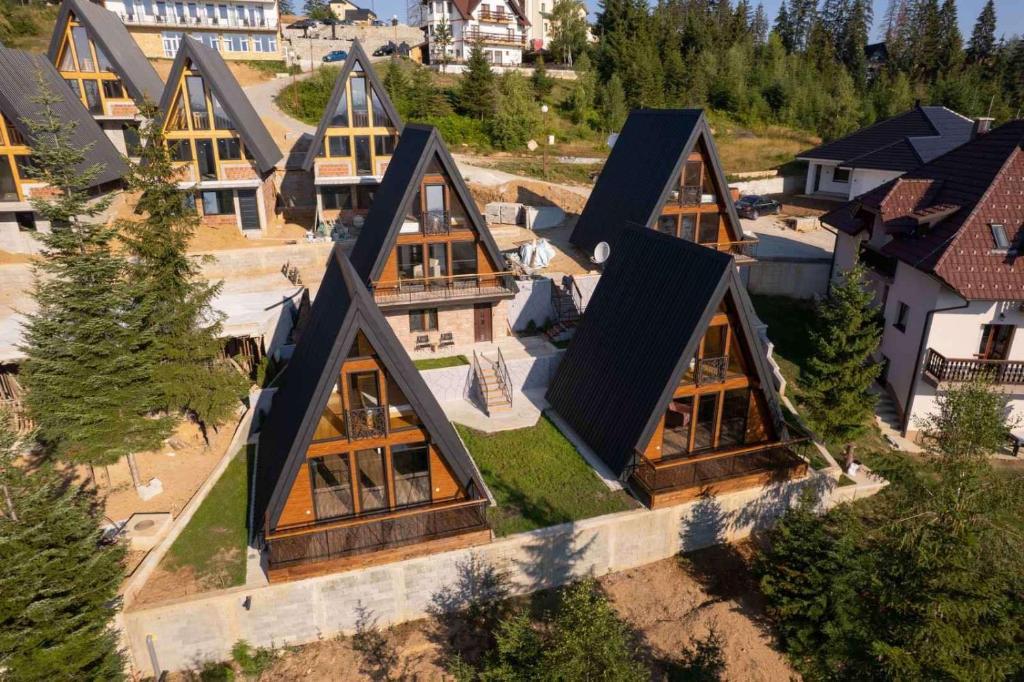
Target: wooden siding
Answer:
pixel 298 509
pixel 442 481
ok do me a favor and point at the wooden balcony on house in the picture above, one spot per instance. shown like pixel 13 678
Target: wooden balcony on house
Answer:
pixel 365 423
pixel 376 538
pixel 940 369
pixel 678 479
pixel 444 288
pixel 510 37
pixel 494 17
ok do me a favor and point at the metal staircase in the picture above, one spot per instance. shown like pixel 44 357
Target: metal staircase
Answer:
pixel 494 383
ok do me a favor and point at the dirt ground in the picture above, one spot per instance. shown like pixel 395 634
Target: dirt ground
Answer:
pixel 6 257
pixel 210 238
pixel 245 74
pixel 669 604
pixel 529 192
pixel 164 585
pixel 181 465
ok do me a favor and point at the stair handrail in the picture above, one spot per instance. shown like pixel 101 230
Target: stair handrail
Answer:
pixel 504 380
pixel 577 297
pixel 479 374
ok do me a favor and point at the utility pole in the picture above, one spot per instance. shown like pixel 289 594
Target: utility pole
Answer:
pixel 544 142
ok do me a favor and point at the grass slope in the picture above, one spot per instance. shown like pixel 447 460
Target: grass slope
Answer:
pixel 214 542
pixel 538 478
pixel 440 363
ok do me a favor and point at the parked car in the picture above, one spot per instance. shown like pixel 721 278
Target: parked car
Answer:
pixel 336 56
pixel 381 22
pixel 302 23
pixel 385 50
pixel 753 206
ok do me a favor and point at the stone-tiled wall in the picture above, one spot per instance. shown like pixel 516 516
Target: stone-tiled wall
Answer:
pixel 455 319
pixel 188 632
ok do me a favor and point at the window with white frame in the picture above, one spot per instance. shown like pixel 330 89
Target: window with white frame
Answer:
pixel 264 43
pixel 172 41
pixel 236 42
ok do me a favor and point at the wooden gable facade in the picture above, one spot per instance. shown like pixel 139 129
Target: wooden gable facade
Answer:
pixel 698 409
pixel 357 461
pixel 426 251
pixel 218 141
pixel 354 141
pixel 664 173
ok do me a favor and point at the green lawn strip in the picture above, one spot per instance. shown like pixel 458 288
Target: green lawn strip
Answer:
pixel 214 541
pixel 440 363
pixel 538 478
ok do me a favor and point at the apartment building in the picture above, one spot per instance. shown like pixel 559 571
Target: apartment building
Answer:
pixel 240 29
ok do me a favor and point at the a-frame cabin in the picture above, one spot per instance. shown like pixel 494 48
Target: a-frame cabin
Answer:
pixel 664 173
pixel 357 463
pixel 223 150
pixel 105 68
pixel 426 253
pixel 666 378
pixel 353 144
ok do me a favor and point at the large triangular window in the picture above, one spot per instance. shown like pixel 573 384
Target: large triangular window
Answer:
pixel 380 114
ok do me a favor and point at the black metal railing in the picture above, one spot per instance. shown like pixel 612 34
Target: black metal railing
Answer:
pixel 942 368
pixel 435 222
pixel 700 470
pixel 712 370
pixel 378 532
pixel 413 289
pixel 367 422
pixel 504 379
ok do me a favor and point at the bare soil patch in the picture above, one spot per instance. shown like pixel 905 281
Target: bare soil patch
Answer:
pixel 245 74
pixel 529 192
pixel 210 238
pixel 6 257
pixel 669 604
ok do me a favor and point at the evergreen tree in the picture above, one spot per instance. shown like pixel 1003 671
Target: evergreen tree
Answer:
pixel 568 29
pixel 784 27
pixel 856 27
pixel 396 82
pixel 516 119
pixel 443 40
pixel 178 332
pixel 424 99
pixel 741 19
pixel 970 420
pixel 88 387
pixel 319 10
pixel 928 41
pixel 899 31
pixel 613 104
pixel 58 582
pixel 581 99
pixel 846 333
pixel 951 51
pixel 803 15
pixel 675 75
pixel 759 25
pixel 983 38
pixel 833 17
pixel 541 81
pixel 476 91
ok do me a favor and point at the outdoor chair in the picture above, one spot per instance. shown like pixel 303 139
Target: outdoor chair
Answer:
pixel 447 339
pixel 423 342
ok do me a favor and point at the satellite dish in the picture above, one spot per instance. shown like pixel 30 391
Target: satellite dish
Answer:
pixel 612 139
pixel 601 252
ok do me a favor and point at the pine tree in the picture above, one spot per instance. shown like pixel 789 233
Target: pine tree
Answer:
pixel 88 387
pixel 58 582
pixel 784 28
pixel 951 52
pixel 741 20
pixel 178 331
pixel 476 92
pixel 581 99
pixel 424 100
pixel 857 24
pixel 759 25
pixel 541 81
pixel 846 333
pixel 983 37
pixel 803 15
pixel 833 17
pixel 396 82
pixel 899 33
pixel 927 44
pixel 516 119
pixel 443 40
pixel 613 104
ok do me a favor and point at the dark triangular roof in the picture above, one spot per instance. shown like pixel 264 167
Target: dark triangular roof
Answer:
pixel 230 95
pixel 416 147
pixel 110 34
pixel 639 173
pixel 342 307
pixel 355 54
pixel 641 329
pixel 19 88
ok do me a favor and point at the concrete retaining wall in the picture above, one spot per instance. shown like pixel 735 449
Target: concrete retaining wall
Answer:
pixel 450 383
pixel 186 633
pixel 533 302
pixel 795 278
pixel 780 184
pixel 309 258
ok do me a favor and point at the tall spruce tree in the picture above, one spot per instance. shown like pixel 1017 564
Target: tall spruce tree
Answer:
pixel 951 52
pixel 845 335
pixel 856 27
pixel 759 25
pixel 58 582
pixel 178 331
pixel 396 82
pixel 88 386
pixel 477 89
pixel 613 108
pixel 784 28
pixel 983 38
pixel 927 44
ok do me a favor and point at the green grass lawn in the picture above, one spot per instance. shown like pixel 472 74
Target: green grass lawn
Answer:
pixel 538 479
pixel 440 363
pixel 214 542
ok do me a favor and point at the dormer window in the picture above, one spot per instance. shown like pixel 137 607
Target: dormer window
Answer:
pixel 999 235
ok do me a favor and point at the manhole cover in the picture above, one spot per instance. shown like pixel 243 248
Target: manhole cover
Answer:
pixel 144 525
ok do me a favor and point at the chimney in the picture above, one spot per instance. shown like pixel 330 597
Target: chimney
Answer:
pixel 982 125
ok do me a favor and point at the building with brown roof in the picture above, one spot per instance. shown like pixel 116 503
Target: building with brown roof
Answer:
pixel 500 26
pixel 941 245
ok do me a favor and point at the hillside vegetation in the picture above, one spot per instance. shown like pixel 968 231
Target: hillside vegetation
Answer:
pixel 26 26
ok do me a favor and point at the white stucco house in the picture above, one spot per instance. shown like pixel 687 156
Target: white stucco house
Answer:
pixel 855 164
pixel 941 245
pixel 501 27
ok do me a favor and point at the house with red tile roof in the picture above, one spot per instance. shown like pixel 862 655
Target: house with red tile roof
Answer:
pixel 500 26
pixel 855 164
pixel 944 248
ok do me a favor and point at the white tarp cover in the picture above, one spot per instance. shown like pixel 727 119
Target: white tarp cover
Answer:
pixel 536 254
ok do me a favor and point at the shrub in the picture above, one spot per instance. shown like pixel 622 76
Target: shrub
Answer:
pixel 253 661
pixel 458 130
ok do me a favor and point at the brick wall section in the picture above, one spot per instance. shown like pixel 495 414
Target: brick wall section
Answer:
pixel 269 191
pixel 239 171
pixel 189 632
pixel 123 110
pixel 333 169
pixel 455 319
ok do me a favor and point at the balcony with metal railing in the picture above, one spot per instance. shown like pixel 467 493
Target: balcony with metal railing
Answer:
pixel 443 288
pixel 710 370
pixel 494 17
pixel 750 464
pixel 940 369
pixel 183 21
pixel 509 37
